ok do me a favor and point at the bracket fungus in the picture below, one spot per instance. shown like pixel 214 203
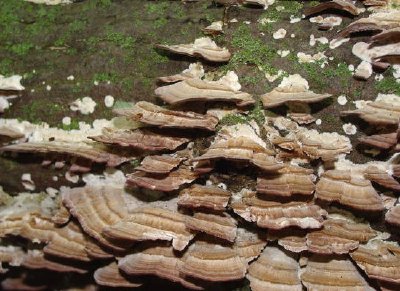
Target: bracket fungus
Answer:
pixel 202 47
pixel 152 114
pixel 226 89
pixel 274 270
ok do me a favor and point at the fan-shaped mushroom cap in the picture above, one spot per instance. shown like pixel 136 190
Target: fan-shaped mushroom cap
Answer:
pixel 218 225
pixel 166 183
pixel 292 89
pixel 12 255
pixel 387 36
pixel 380 260
pixel 152 224
pixel 249 243
pixel 306 143
pixel 202 47
pixel 338 236
pixel 348 189
pixel 195 70
pixel 89 152
pixel 36 259
pixel 226 89
pixel 213 262
pixel 158 116
pixel 374 22
pixel 274 270
pixel 393 216
pixel 159 164
pixel 384 141
pixel 262 3
pixel 323 273
pixel 340 5
pixel 287 182
pixel 96 207
pixel 111 276
pixel 142 139
pixel 161 261
pixel 277 215
pixel 208 197
pixel 214 28
pixel 384 110
pixel 12 83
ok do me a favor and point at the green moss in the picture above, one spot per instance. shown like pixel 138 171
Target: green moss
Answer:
pixel 255 114
pixel 251 50
pixel 73 125
pixel 6 67
pixel 40 110
pixel 104 77
pixel 388 85
pixel 21 49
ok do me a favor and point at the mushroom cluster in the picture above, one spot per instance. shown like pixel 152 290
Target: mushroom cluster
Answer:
pixel 269 200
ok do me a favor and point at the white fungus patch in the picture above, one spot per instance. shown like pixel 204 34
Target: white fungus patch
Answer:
pixel 71 177
pixel 12 83
pixel 27 182
pixel 306 58
pixel 342 100
pixel 48 87
pixel 283 53
pixel 335 43
pixel 85 105
pixel 294 19
pixel 279 34
pixel 66 120
pixel 318 122
pixel 4 104
pixel 109 101
pixel 396 72
pixel 349 128
pixel 70 78
pixel 314 40
pixel 265 20
pixel 272 78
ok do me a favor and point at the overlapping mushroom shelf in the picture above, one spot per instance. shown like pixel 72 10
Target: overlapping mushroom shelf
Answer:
pixel 269 200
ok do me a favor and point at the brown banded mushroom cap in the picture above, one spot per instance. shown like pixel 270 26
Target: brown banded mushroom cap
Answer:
pixel 277 215
pixel 147 224
pixel 158 116
pixel 213 262
pixel 207 197
pixel 222 226
pixel 111 276
pixel 293 89
pixel 340 5
pixel 226 89
pixel 202 47
pixel 96 207
pixel 324 273
pixel 195 70
pixel 162 164
pixel 165 183
pixel 88 152
pixel 160 261
pixel 274 270
pixel 142 139
pixel 379 260
pixel 288 181
pixel 385 110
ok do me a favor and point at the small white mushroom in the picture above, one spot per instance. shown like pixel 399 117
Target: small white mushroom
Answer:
pixel 279 34
pixel 342 100
pixel 109 101
pixel 85 105
pixel 349 128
